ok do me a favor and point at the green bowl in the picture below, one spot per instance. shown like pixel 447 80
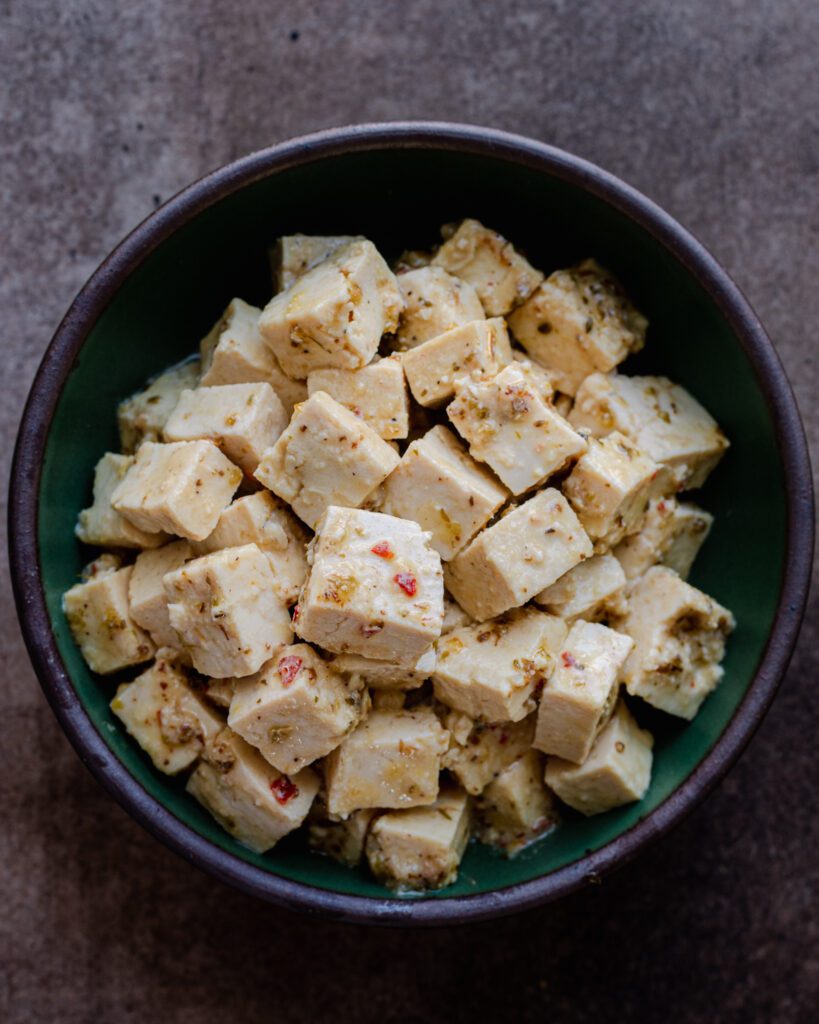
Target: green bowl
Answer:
pixel 163 287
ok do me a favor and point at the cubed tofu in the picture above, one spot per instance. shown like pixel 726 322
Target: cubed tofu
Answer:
pixel 420 849
pixel 242 420
pixel 481 754
pixel 100 620
pixel 679 638
pixel 294 255
pixel 440 487
pixel 493 670
pixel 226 610
pixel 101 524
pixel 341 840
pixel 265 521
pixel 376 394
pixel 219 692
pixel 146 590
pixel 672 534
pixel 380 674
pixel 434 302
pixel 616 772
pixel 296 708
pixel 542 379
pixel 511 426
pixel 578 321
pixel 580 694
pixel 392 759
pixel 592 590
pixel 526 550
pixel 166 717
pixel 374 587
pixel 454 615
pixel 142 417
pixel 516 808
pixel 660 417
pixel 249 798
pixel 499 274
pixel 179 488
pixel 335 314
pixel 326 456
pixel 480 348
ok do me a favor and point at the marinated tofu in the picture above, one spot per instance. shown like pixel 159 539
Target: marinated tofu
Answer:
pixel 592 590
pixel 143 416
pixel 516 809
pixel 376 394
pixel 146 590
pixel 434 302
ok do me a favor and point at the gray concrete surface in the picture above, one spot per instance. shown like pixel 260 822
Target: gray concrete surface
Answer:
pixel 110 107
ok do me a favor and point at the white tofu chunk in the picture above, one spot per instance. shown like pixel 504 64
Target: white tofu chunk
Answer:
pixel 526 550
pixel 380 674
pixel 242 420
pixel 326 456
pixel 179 488
pixel 498 273
pixel 374 588
pixel 335 313
pixel 578 321
pixel 146 590
pixel 376 394
pixel 249 798
pixel 101 524
pixel 142 417
pixel 294 255
pixel 512 427
pixel 592 590
pixel 454 615
pixel 479 752
pixel 226 610
pixel 516 808
pixel 100 620
pixel 580 694
pixel 493 670
pixel 616 772
pixel 672 534
pixel 660 417
pixel 392 759
pixel 341 840
pixel 434 302
pixel 679 638
pixel 441 488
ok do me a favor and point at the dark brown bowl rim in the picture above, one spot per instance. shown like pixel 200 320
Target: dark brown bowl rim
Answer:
pixel 59 359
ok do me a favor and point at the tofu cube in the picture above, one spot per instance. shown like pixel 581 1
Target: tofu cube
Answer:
pixel 143 416
pixel 179 488
pixel 374 588
pixel 440 487
pixel 295 709
pixel 672 534
pixel 578 321
pixel 249 798
pixel 226 611
pixel 493 670
pixel 146 590
pixel 434 302
pixel 512 427
pixel 294 255
pixel 616 772
pixel 335 313
pixel 679 638
pixel 380 674
pixel 580 694
pixel 477 756
pixel 341 840
pixel 498 273
pixel 392 759
pixel 420 849
pixel 479 348
pixel 376 394
pixel 526 550
pixel 326 456
pixel 592 590
pixel 100 620
pixel 101 524
pixel 516 808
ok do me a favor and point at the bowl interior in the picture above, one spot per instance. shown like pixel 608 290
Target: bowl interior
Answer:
pixel 399 198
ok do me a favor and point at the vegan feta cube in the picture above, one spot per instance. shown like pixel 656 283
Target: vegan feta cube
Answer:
pixel 672 534
pixel 434 302
pixel 479 752
pixel 592 590
pixel 379 674
pixel 101 524
pixel 376 394
pixel 294 255
pixel 142 417
pixel 146 590
pixel 341 840
pixel 516 808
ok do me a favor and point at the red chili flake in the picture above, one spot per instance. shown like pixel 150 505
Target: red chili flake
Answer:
pixel 289 668
pixel 357 412
pixel 296 613
pixel 567 659
pixel 503 738
pixel 283 789
pixel 407 582
pixel 383 550
pixel 661 506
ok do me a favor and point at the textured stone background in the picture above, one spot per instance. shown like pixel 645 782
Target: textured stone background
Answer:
pixel 710 108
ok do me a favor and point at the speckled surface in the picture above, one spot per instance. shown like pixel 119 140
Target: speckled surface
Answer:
pixel 711 110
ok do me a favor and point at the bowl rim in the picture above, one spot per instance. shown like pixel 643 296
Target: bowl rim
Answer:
pixel 57 363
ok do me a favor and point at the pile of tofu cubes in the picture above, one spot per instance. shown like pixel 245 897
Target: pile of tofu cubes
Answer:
pixel 387 550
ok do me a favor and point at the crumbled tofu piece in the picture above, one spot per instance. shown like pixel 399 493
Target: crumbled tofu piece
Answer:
pixel 440 487
pixel 516 808
pixel 143 416
pixel 580 694
pixel 512 427
pixel 592 590
pixel 578 321
pixel 249 798
pixel 660 417
pixel 493 670
pixel 480 348
pixel 502 278
pixel 226 610
pixel 420 849
pixel 296 709
pixel 454 615
pixel 341 840
pixel 103 565
pixel 672 534
pixel 434 302
pixel 392 759
pixel 335 313
pixel 100 620
pixel 481 754
pixel 180 488
pixel 101 524
pixel 386 675
pixel 376 394
pixel 294 255
pixel 374 587
pixel 526 550
pixel 679 638
pixel 146 591
pixel 616 772
pixel 326 456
